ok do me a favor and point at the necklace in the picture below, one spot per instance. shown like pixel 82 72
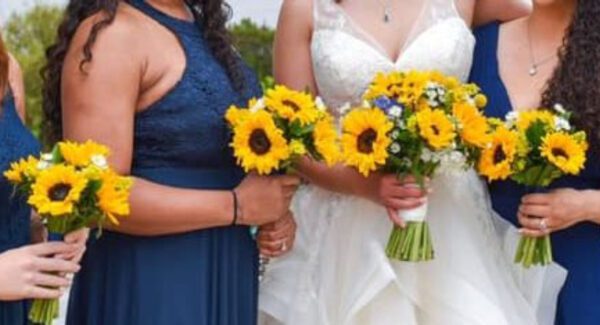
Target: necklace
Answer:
pixel 535 64
pixel 387 10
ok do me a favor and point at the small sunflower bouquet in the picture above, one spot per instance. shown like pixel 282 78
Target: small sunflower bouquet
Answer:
pixel 71 188
pixel 272 133
pixel 415 124
pixel 534 148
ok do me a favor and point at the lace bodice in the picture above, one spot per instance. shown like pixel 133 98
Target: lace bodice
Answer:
pixel 345 58
pixel 186 127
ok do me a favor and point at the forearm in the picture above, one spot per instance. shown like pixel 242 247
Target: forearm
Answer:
pixel 161 210
pixel 339 179
pixel 592 205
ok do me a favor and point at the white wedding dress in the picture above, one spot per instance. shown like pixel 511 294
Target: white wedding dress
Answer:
pixel 338 273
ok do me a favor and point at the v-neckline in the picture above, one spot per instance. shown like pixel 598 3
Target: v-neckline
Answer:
pixel 369 40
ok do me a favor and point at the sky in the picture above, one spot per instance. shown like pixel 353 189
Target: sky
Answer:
pixel 261 11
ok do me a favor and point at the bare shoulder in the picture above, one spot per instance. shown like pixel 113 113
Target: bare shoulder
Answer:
pixel 122 33
pixel 487 11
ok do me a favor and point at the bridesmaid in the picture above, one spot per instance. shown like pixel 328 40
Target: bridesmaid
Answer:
pixel 24 268
pixel 551 57
pixel 152 80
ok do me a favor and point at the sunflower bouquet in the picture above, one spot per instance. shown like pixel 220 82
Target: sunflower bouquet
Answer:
pixel 273 132
pixel 417 124
pixel 71 187
pixel 534 148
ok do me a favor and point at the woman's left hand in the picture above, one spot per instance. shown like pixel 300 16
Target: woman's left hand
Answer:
pixel 79 239
pixel 542 214
pixel 277 238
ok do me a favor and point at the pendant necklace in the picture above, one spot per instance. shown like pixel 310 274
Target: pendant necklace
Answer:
pixel 387 10
pixel 535 64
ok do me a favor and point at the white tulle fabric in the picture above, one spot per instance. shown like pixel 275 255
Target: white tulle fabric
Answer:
pixel 338 273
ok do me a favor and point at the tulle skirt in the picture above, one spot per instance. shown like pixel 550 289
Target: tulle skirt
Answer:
pixel 338 272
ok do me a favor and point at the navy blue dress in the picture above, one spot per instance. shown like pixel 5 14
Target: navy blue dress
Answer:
pixel 16 142
pixel 206 277
pixel 576 248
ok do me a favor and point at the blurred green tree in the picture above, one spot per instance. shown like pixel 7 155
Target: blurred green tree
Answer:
pixel 27 36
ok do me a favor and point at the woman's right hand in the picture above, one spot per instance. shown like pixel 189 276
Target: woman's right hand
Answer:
pixel 265 199
pixel 395 194
pixel 29 272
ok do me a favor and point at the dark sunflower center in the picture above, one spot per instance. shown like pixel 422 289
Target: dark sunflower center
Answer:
pixel 291 105
pixel 259 142
pixel 366 140
pixel 391 87
pixel 558 152
pixel 59 192
pixel 499 155
pixel 435 130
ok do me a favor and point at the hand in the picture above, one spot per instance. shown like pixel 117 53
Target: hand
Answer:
pixel 542 214
pixel 78 240
pixel 265 199
pixel 396 194
pixel 26 273
pixel 277 238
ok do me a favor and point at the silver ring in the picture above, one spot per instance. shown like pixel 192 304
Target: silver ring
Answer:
pixel 544 225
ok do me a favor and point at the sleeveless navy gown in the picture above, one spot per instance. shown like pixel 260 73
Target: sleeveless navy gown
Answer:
pixel 577 248
pixel 206 277
pixel 16 142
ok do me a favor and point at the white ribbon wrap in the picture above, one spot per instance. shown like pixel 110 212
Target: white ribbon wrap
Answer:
pixel 414 215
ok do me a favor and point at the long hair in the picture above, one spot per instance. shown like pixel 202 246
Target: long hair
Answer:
pixel 4 69
pixel 575 82
pixel 211 15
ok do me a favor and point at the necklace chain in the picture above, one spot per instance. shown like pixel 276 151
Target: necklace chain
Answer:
pixel 387 10
pixel 533 69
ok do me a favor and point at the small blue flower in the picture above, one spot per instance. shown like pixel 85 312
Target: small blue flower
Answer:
pixel 384 103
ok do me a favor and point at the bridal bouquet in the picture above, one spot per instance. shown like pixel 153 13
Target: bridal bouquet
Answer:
pixel 70 188
pixel 534 148
pixel 415 124
pixel 273 132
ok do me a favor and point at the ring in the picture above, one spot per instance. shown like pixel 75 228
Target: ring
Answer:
pixel 543 225
pixel 283 247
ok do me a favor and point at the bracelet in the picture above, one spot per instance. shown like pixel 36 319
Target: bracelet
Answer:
pixel 235 208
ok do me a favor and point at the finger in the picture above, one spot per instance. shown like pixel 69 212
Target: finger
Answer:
pixel 402 192
pixel 51 248
pixel 541 211
pixel 404 204
pixel 56 265
pixel 271 245
pixel 532 233
pixel 395 217
pixel 536 199
pixel 35 292
pixel 289 180
pixel 77 237
pixel 49 280
pixel 532 223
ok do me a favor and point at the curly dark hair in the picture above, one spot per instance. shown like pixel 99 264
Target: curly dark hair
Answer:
pixel 211 15
pixel 576 80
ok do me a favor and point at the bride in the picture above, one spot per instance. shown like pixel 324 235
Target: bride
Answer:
pixel 338 272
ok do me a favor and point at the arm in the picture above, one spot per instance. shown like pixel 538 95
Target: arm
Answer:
pixel 487 11
pixel 101 103
pixel 15 79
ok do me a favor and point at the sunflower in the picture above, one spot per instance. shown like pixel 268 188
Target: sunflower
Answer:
pixel 235 115
pixel 526 118
pixel 82 154
pixel 292 105
pixel 21 170
pixel 113 195
pixel 436 128
pixel 365 140
pixel 497 159
pixel 326 141
pixel 259 144
pixel 473 125
pixel 564 152
pixel 57 190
